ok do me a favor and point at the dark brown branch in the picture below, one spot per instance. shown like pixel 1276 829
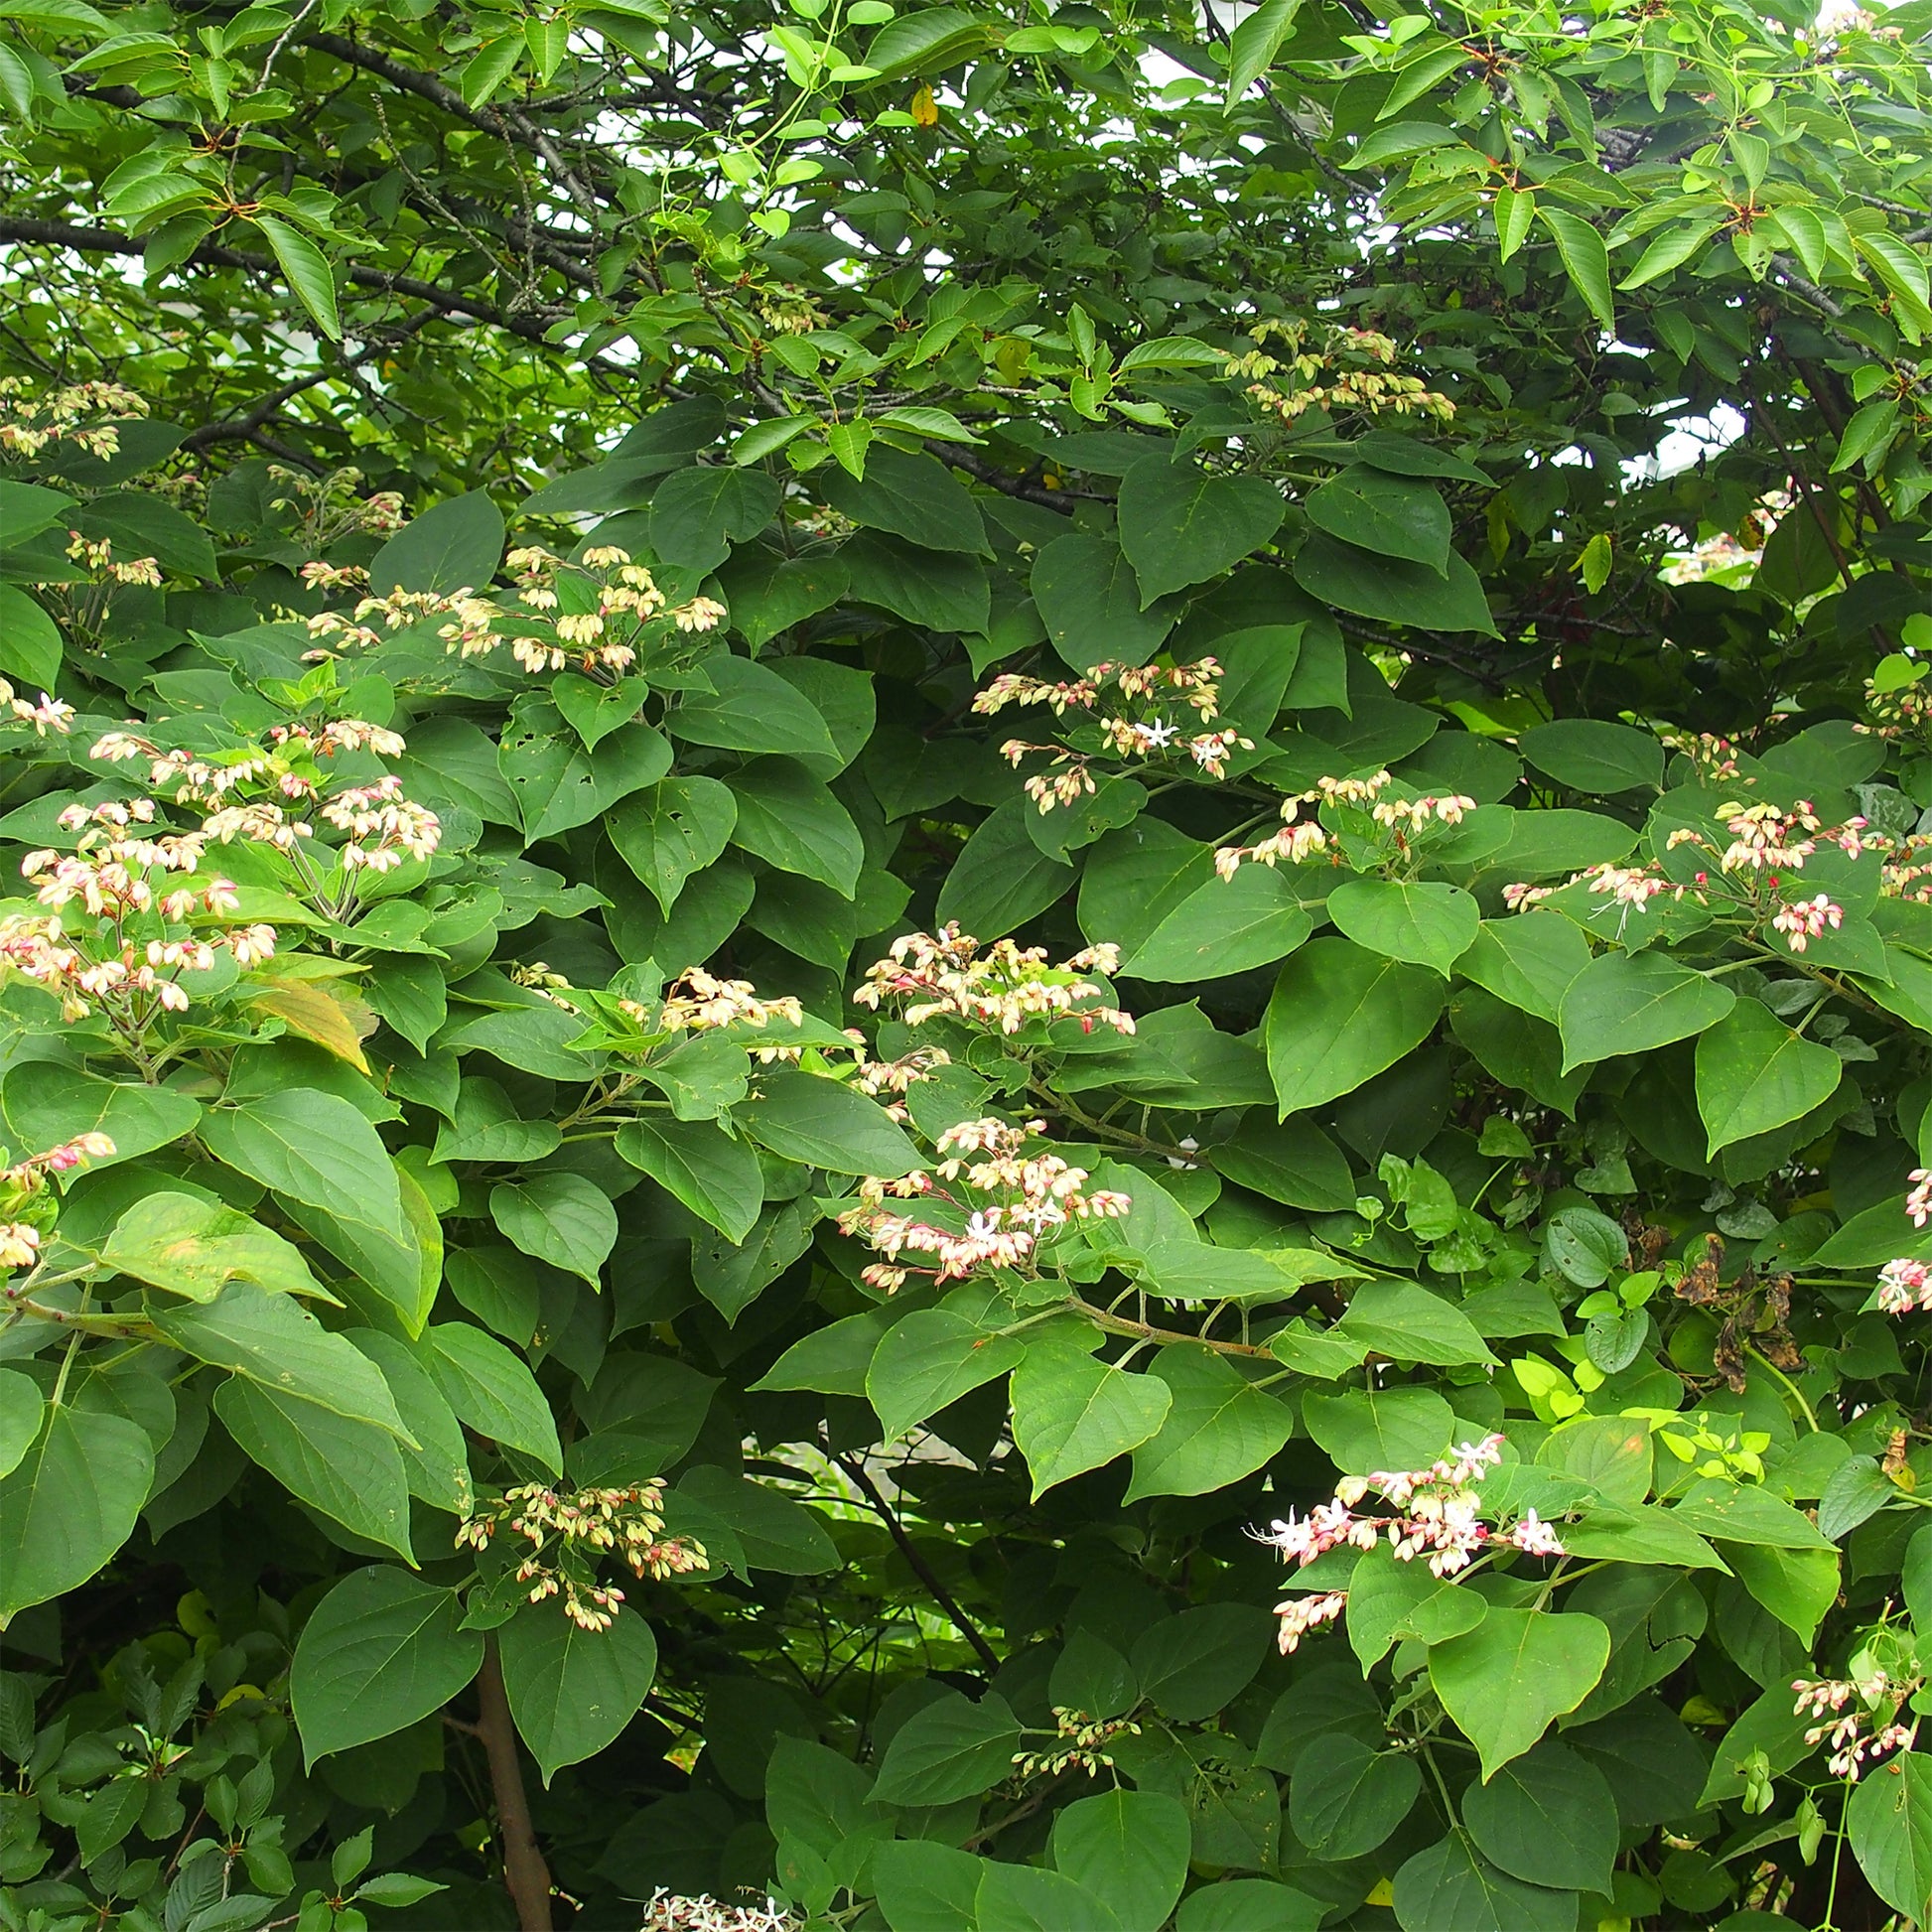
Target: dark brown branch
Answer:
pixel 111 242
pixel 861 1478
pixel 525 1875
pixel 984 471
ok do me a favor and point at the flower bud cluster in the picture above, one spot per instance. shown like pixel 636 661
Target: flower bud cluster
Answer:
pixel 1406 819
pixel 540 636
pixel 1850 1731
pixel 97 554
pixel 1122 703
pixel 1004 986
pixel 996 1211
pixel 72 415
pixel 1080 1745
pixel 1438 1515
pixel 569 1532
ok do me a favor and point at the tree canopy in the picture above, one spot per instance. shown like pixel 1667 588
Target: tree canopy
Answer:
pixel 964 966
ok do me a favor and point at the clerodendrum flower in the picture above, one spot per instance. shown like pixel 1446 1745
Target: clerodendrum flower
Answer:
pixel 1438 1516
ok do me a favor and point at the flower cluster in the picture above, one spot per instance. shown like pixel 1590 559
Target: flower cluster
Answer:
pixel 889 1081
pixel 1918 1200
pixel 1904 1285
pixel 546 633
pixel 1438 1514
pixel 19 1240
pixel 1003 986
pixel 1080 1744
pixel 72 415
pixel 1404 820
pixel 1746 874
pixel 568 1533
pixel 1847 1731
pixel 696 1002
pixel 1369 389
pixel 1123 706
pixel 331 507
pixel 50 715
pixel 670 1911
pixel 112 936
pixel 264 794
pixel 1715 758
pixel 1008 1202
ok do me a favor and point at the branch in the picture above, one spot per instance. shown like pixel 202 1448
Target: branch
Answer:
pixel 525 1875
pixel 923 1570
pixel 502 123
pixel 111 242
pixel 977 467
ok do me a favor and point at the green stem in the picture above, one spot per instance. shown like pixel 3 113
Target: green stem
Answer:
pixel 1796 1393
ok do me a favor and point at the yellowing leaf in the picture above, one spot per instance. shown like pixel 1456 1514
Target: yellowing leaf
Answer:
pixel 926 110
pixel 329 1016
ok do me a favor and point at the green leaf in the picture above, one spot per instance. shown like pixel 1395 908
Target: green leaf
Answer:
pixel 1743 1512
pixel 823 1122
pixel 1670 247
pixel 1889 1819
pixel 913 495
pixel 191 1247
pixel 1509 1679
pixel 1528 961
pixel 380 1651
pixel 1796 1586
pixel 492 1390
pixel 30 642
pixel 1379 1428
pixel 573 1691
pixel 1416 920
pixel 1072 1413
pixel 1548 1818
pixel 1127 1849
pixel 1345 1797
pixel 452 546
pixel 1634 1003
pixel 750 707
pixel 1391 591
pixel 351 1470
pixel 951 1750
pixel 561 1218
pixel 668 831
pixel 1753 1073
pixel 713 1175
pixel 488 1127
pixel 1339 1015
pixel 1449 1887
pixel 1592 756
pixel 1292 1162
pixel 1193 1665
pixel 1089 600
pixel 697 514
pixel 732 1274
pixel 790 819
pixel 1394 517
pixel 312 1147
pixel 273 1340
pixel 1218 1429
pixel 942 590
pixel 438 1469
pixel 1227 925
pixel 1001 877
pixel 1585 259
pixel 1180 524
pixel 928 1359
pixel 306 271
pixel 774 1531
pixel 21 1411
pixel 69 1503
pixel 1406 1323
pixel 48 1105
pixel 1389 1601
pixel 1254 42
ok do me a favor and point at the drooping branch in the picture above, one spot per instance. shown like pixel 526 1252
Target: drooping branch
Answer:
pixel 861 1480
